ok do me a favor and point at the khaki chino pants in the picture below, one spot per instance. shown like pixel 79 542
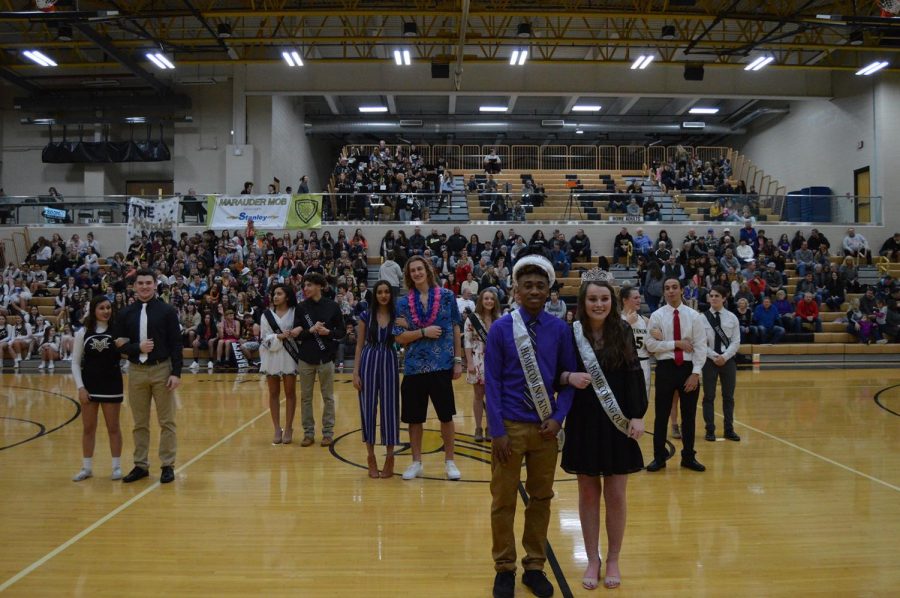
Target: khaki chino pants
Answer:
pixel 146 383
pixel 306 375
pixel 540 463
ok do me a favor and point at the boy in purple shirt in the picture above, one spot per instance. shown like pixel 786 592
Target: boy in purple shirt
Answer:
pixel 518 431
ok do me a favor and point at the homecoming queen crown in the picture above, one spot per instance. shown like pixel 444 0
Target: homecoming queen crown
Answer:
pixel 597 275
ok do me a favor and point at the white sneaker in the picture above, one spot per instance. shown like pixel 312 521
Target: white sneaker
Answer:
pixel 40 367
pixel 194 365
pixel 452 470
pixel 209 364
pixel 413 471
pixel 52 366
pixel 16 362
pixel 881 341
pixel 116 474
pixel 83 475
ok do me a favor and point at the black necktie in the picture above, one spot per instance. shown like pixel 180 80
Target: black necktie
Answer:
pixel 717 344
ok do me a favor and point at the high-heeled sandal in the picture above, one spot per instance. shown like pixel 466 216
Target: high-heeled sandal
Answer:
pixel 287 436
pixel 373 468
pixel 388 471
pixel 611 582
pixel 591 583
pixel 278 436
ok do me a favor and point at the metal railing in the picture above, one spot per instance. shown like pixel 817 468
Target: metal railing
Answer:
pixel 547 157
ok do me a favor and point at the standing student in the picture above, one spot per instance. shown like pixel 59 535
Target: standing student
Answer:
pixel 376 375
pixel 631 304
pixel 723 340
pixel 475 332
pixel 318 325
pixel 605 422
pixel 678 341
pixel 95 368
pixel 527 344
pixel 148 332
pixel 278 354
pixel 433 360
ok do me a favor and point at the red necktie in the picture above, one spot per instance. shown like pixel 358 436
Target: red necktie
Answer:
pixel 676 329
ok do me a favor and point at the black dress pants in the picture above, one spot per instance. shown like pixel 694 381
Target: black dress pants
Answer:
pixel 669 379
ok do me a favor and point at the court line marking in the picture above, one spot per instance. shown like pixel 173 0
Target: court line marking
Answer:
pixel 816 455
pixel 74 539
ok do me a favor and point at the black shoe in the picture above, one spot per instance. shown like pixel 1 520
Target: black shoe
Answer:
pixel 711 436
pixel 505 584
pixel 693 464
pixel 538 583
pixel 168 474
pixel 135 474
pixel 656 465
pixel 732 436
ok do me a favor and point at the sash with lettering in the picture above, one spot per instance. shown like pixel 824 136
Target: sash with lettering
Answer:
pixel 478 327
pixel 533 379
pixel 309 325
pixel 717 329
pixel 289 344
pixel 598 381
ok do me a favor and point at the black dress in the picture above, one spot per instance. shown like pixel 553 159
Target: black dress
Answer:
pixel 100 368
pixel 594 446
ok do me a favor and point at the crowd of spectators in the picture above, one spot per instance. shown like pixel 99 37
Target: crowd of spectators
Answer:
pixel 219 281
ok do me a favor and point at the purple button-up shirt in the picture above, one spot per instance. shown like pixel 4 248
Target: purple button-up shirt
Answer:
pixel 505 386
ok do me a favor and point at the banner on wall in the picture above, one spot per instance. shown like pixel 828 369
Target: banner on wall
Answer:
pixel 266 211
pixel 150 216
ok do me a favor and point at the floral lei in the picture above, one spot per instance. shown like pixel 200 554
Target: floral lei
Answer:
pixel 414 308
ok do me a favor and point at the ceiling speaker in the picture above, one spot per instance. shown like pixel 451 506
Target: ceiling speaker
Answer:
pixel 693 72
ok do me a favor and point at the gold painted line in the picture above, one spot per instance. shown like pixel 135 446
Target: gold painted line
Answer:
pixel 62 547
pixel 813 454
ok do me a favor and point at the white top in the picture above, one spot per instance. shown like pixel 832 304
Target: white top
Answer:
pixel 391 272
pixel 732 329
pixel 274 358
pixel 10 334
pixel 462 304
pixel 691 328
pixel 640 331
pixel 78 353
pixel 472 285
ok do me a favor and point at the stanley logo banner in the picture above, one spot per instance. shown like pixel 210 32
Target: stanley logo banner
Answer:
pixel 266 211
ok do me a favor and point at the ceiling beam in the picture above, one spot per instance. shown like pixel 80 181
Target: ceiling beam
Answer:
pixel 629 105
pixel 511 103
pixel 687 105
pixel 19 81
pixel 332 104
pixel 461 45
pixel 451 103
pixel 570 103
pixel 107 45
pixel 392 104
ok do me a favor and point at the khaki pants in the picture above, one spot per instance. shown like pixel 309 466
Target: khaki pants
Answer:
pixel 306 375
pixel 540 462
pixel 146 382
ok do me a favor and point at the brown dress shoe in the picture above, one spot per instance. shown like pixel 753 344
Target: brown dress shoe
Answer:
pixel 326 441
pixel 307 441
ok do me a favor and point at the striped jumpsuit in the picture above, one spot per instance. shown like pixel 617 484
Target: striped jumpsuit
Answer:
pixel 380 377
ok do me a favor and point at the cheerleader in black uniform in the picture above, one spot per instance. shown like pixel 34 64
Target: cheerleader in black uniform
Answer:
pixel 95 367
pixel 595 449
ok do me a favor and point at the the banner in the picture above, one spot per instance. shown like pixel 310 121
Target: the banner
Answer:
pixel 266 211
pixel 149 216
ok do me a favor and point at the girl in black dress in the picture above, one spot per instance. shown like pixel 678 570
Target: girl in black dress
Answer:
pixel 95 367
pixel 595 449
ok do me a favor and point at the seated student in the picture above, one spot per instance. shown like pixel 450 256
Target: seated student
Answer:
pixel 616 204
pixel 560 260
pixel 492 162
pixel 808 313
pixel 766 318
pixel 786 310
pixel 651 209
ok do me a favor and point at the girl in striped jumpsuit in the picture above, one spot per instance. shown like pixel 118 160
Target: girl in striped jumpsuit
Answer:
pixel 376 376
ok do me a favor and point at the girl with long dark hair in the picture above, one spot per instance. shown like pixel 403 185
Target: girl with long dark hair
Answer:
pixel 598 451
pixel 95 368
pixel 376 375
pixel 277 362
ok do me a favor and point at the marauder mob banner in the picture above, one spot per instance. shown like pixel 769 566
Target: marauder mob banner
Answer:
pixel 266 211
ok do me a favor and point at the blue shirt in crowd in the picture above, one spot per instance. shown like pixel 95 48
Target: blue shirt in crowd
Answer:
pixel 505 387
pixel 767 318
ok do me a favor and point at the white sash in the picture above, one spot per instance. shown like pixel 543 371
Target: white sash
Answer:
pixel 598 381
pixel 533 379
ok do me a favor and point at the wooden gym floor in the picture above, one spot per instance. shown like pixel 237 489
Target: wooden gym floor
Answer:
pixel 807 504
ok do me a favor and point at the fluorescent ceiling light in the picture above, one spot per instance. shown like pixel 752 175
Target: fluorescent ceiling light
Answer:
pixel 292 58
pixel 518 57
pixel 159 59
pixel 586 108
pixel 759 63
pixel 402 57
pixel 373 109
pixel 135 119
pixel 704 111
pixel 642 62
pixel 39 58
pixel 693 124
pixel 406 58
pixel 872 68
pixel 579 132
pixel 492 108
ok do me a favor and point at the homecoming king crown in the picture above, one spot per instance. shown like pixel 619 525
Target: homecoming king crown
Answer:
pixel 597 275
